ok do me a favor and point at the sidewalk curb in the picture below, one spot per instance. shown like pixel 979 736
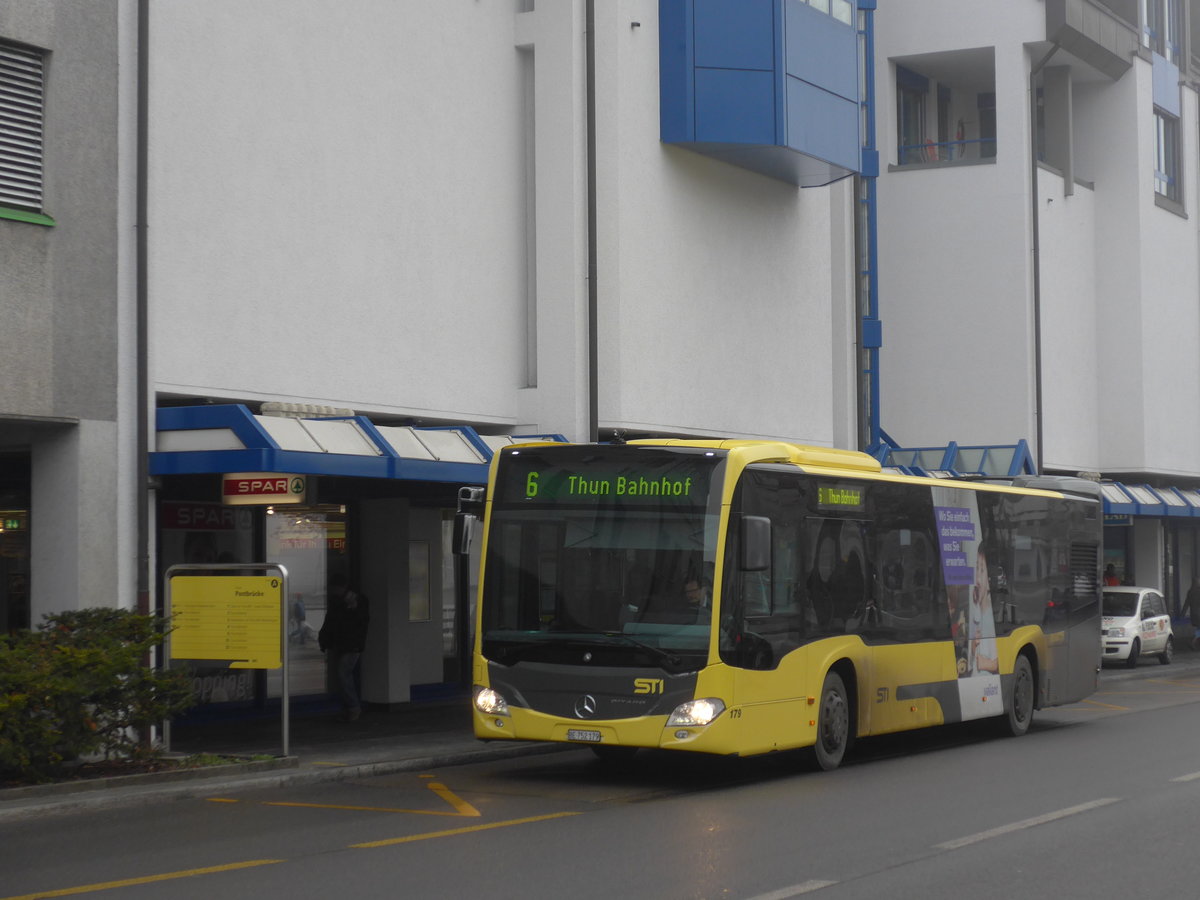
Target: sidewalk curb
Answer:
pixel 248 768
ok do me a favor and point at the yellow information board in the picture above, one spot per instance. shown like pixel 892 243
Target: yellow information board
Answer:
pixel 233 618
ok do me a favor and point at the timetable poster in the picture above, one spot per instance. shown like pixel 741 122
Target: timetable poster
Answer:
pixel 235 619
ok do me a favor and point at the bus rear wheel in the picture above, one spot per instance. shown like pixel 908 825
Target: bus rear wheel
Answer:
pixel 1019 713
pixel 833 723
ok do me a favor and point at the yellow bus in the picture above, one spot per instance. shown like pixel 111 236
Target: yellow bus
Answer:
pixel 743 597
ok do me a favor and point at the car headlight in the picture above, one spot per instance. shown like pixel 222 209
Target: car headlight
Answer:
pixel 490 703
pixel 697 712
pixel 1116 631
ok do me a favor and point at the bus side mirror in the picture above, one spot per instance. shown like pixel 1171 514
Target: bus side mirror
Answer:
pixel 470 504
pixel 464 531
pixel 756 543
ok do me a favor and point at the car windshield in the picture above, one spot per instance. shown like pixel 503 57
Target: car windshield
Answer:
pixel 1119 603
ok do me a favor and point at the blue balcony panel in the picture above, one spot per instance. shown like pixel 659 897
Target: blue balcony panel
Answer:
pixel 735 34
pixel 775 162
pixel 822 125
pixel 735 102
pixel 821 50
pixel 768 85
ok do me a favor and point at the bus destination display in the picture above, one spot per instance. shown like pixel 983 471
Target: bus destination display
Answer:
pixel 663 481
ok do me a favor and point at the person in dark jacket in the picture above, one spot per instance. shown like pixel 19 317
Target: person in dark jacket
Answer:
pixel 342 636
pixel 1192 602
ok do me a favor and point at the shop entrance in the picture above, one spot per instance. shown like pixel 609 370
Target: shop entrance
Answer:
pixel 14 541
pixel 310 542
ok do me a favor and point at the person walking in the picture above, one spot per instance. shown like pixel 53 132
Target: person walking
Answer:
pixel 1192 601
pixel 343 635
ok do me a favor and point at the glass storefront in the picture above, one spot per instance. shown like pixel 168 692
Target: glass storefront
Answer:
pixel 420 609
pixel 310 542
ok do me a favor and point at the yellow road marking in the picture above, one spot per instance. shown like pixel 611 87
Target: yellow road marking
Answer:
pixel 461 807
pixel 1105 705
pixel 454 831
pixel 1186 684
pixel 464 808
pixel 1147 693
pixel 382 809
pixel 145 879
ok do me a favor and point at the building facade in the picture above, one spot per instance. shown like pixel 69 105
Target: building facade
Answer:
pixel 362 247
pixel 1038 248
pixel 366 245
pixel 67 337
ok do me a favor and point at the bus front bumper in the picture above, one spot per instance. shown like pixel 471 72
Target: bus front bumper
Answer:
pixel 648 731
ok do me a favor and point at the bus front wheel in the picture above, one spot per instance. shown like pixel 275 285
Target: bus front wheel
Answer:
pixel 833 723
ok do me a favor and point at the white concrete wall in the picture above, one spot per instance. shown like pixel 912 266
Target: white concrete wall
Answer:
pixel 1170 303
pixel 78 540
pixel 954 265
pixel 1115 160
pixel 1148 282
pixel 718 285
pixel 354 206
pixel 337 204
pixel 1073 409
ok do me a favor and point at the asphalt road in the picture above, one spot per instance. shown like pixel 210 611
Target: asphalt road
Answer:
pixel 1098 800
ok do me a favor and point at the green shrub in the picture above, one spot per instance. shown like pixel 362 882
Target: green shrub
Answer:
pixel 78 686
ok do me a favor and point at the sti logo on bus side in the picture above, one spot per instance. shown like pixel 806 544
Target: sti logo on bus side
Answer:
pixel 647 685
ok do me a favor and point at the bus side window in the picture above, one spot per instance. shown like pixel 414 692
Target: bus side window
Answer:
pixel 906 574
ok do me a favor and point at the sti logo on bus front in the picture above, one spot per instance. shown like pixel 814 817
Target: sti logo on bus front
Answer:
pixel 647 685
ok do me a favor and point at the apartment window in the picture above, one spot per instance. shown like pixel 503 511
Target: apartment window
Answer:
pixel 22 101
pixel 1162 28
pixel 842 10
pixel 911 93
pixel 1166 156
pixel 985 104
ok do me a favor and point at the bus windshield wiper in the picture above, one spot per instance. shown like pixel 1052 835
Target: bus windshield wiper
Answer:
pixel 579 637
pixel 665 655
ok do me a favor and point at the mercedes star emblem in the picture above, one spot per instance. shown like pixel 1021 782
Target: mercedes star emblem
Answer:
pixel 585 706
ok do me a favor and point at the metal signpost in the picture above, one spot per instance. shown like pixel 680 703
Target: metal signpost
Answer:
pixel 235 619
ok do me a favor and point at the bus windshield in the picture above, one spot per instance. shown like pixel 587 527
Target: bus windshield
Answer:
pixel 599 562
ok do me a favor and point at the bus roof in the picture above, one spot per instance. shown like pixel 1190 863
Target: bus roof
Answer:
pixel 831 460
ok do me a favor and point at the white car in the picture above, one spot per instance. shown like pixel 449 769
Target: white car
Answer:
pixel 1135 622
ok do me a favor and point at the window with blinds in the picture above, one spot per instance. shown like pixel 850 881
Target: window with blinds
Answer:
pixel 21 115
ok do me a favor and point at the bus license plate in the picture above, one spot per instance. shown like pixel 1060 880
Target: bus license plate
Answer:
pixel 592 737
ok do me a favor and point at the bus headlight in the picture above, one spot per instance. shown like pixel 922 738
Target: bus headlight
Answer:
pixel 490 703
pixel 697 712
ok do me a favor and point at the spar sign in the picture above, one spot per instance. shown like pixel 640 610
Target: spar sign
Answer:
pixel 262 488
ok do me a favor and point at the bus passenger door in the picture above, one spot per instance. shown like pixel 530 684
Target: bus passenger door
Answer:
pixel 759 630
pixel 914 660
